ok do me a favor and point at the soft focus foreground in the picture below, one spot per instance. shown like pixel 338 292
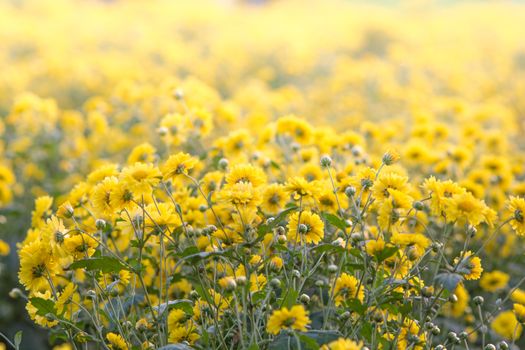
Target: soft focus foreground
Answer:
pixel 291 175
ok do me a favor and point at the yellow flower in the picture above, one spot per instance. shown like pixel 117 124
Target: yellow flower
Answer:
pixel 494 281
pixel 296 128
pixel 178 164
pixel 273 198
pixel 116 281
pixel 36 265
pixel 183 333
pixel 80 246
pixel 388 181
pixel 116 342
pixel 465 209
pixel 67 300
pixel 41 212
pixel 469 266
pixel 342 344
pixel 32 310
pixel 141 178
pixel 4 248
pixel 101 195
pixel 417 241
pixel 54 232
pixel 440 191
pixel 242 193
pixel 375 246
pixel 457 308
pixel 519 311
pixel 305 227
pixel 518 296
pixel 298 187
pixel 295 318
pixel 410 337
pixel 516 210
pixel 246 173
pixel 506 325
pixel 144 153
pixel 347 287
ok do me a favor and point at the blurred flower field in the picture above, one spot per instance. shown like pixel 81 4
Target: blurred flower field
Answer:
pixel 262 175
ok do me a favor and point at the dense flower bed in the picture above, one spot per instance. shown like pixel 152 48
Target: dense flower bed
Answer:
pixel 182 183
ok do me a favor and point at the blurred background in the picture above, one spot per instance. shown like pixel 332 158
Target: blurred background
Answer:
pixel 62 62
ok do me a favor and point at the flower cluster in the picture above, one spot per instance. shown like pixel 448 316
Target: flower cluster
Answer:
pixel 282 239
pixel 348 188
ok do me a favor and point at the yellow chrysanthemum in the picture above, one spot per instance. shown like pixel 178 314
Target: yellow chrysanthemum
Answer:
pixel 306 227
pixel 347 287
pixel 295 318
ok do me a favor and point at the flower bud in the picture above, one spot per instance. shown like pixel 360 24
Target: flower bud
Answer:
pixel 503 345
pixel 178 94
pixel 305 299
pixel 163 131
pixel 100 224
pixel 332 268
pixel 275 283
pixel 302 229
pixel 16 293
pixel 390 157
pixel 478 300
pixel 326 161
pixel 490 347
pixel 453 298
pixel 345 315
pixel 418 205
pixel 350 191
pixel 223 163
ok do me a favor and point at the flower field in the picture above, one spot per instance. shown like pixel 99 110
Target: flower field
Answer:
pixel 330 175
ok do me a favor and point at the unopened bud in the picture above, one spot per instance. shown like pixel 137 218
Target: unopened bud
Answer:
pixel 326 161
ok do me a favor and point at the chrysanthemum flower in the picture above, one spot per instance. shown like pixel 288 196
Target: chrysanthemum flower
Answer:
pixel 342 344
pixel 178 164
pixel 305 227
pixel 516 210
pixel 295 318
pixel 494 281
pixel 116 342
pixel 506 325
pixel 347 287
pixel 36 265
pixel 469 266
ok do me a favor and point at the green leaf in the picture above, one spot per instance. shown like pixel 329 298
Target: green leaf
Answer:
pixel 290 298
pixel 183 304
pixel 43 306
pixel 324 337
pixel 356 306
pixel 335 221
pixel 18 339
pixel 449 280
pixel 386 253
pixel 309 343
pixel 104 264
pixel 327 247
